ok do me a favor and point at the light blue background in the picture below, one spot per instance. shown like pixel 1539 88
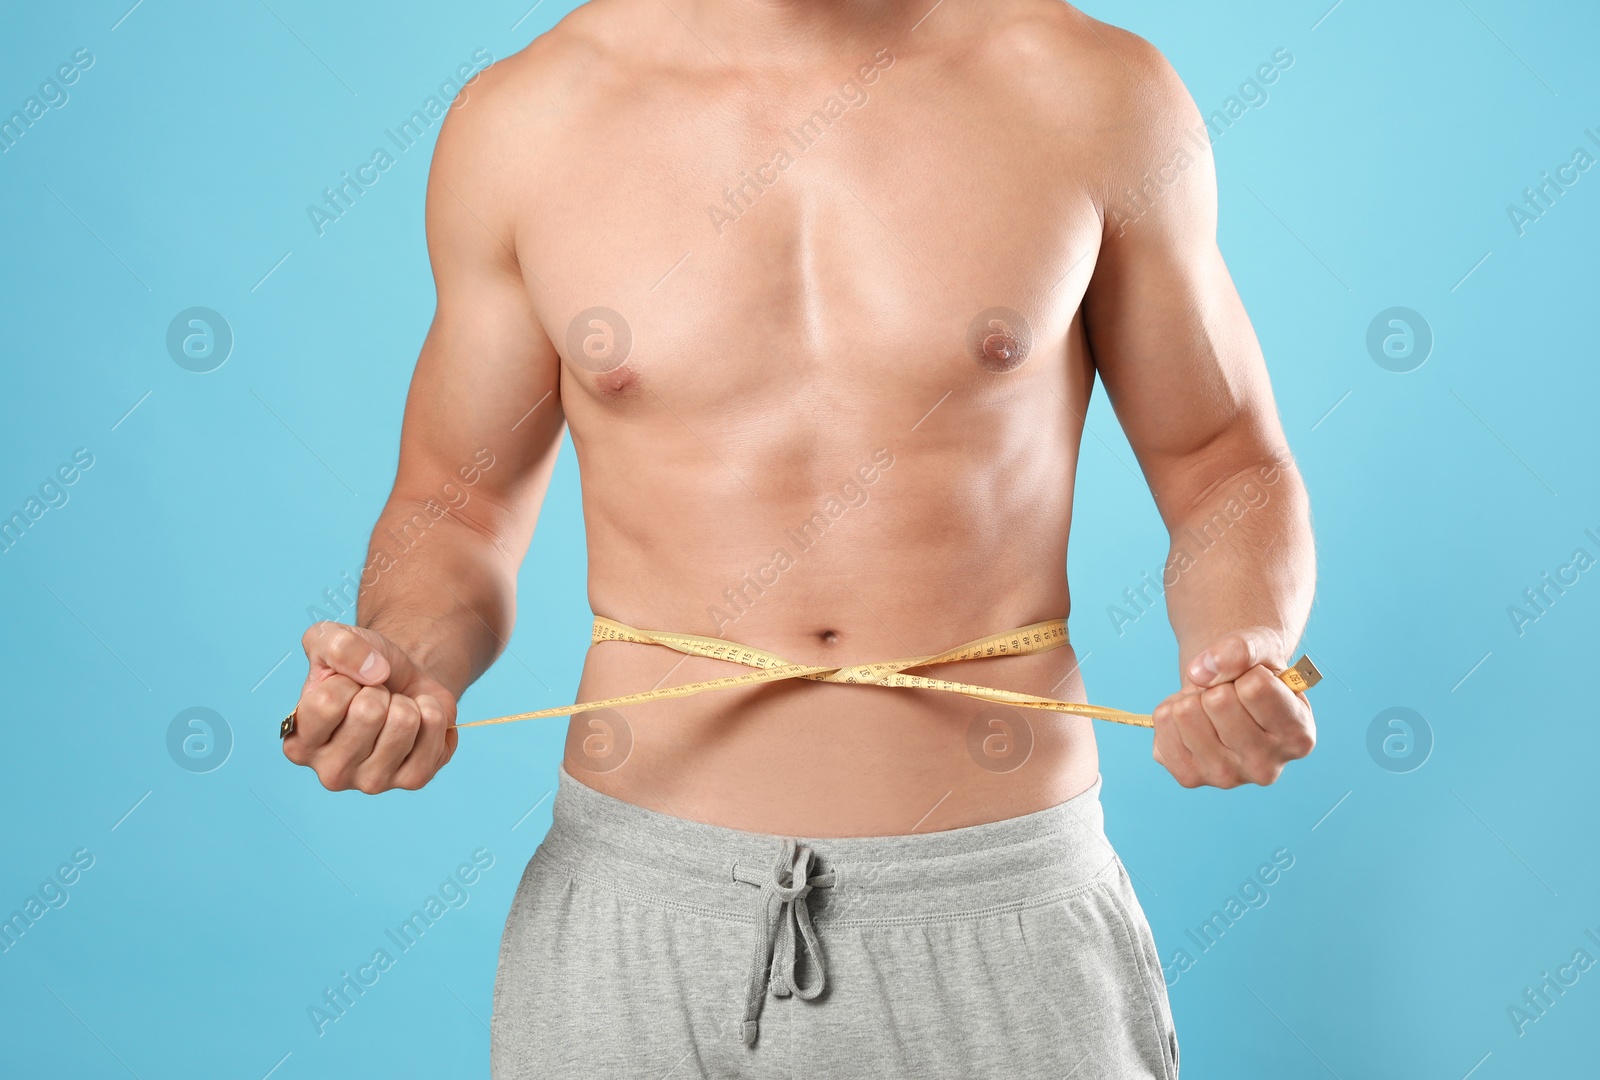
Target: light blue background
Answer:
pixel 221 904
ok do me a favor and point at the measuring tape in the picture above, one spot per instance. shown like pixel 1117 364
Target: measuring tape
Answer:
pixel 769 667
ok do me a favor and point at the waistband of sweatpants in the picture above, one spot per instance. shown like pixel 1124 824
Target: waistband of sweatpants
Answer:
pixel 1014 863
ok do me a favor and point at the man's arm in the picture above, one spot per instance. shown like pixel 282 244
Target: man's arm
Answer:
pixel 1185 375
pixel 482 426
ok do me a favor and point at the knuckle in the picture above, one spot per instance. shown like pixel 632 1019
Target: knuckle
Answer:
pixel 371 785
pixel 340 643
pixel 334 777
pixel 1267 776
pixel 1230 648
pixel 432 724
pixel 405 719
pixel 313 636
pixel 1261 770
pixel 367 710
pixel 324 637
pixel 411 780
pixel 1255 686
pixel 1227 774
pixel 295 752
pixel 323 699
pixel 1183 772
pixel 1251 649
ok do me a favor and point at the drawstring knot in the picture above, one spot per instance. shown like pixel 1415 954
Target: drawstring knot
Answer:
pixel 784 934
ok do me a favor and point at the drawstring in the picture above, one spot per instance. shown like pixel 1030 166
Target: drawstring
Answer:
pixel 783 931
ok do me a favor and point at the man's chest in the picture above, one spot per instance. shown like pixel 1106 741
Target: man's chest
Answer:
pixel 860 240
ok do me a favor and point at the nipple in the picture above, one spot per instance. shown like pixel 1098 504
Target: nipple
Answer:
pixel 1000 348
pixel 999 339
pixel 617 381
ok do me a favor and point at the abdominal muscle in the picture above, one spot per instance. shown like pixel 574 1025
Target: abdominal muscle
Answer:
pixel 805 758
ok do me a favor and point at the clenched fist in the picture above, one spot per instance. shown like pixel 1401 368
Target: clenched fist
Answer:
pixel 1234 722
pixel 367 717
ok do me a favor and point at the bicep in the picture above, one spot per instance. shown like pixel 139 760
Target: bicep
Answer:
pixel 487 383
pixel 1168 332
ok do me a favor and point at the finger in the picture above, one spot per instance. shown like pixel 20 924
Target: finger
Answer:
pixel 1168 748
pixel 1283 714
pixel 1235 727
pixel 1227 658
pixel 319 711
pixel 1258 754
pixel 1218 765
pixel 356 653
pixel 395 740
pixel 353 740
pixel 448 750
pixel 434 744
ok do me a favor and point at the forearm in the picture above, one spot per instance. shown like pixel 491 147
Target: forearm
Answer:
pixel 1243 556
pixel 440 586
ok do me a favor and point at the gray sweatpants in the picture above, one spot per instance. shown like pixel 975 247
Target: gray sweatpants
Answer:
pixel 647 947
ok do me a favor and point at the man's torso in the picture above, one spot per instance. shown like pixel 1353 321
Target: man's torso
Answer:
pixel 816 440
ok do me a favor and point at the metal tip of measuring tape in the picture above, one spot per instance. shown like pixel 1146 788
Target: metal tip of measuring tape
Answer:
pixel 1303 676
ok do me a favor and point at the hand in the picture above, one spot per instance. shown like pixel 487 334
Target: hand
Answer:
pixel 1234 722
pixel 367 717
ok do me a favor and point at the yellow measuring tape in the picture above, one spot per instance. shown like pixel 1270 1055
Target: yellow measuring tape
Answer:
pixel 769 667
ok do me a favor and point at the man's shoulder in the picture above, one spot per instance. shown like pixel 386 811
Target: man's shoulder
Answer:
pixel 1107 97
pixel 1050 31
pixel 564 75
pixel 1089 69
pixel 593 50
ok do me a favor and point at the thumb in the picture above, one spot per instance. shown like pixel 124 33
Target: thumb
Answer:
pixel 357 653
pixel 1229 657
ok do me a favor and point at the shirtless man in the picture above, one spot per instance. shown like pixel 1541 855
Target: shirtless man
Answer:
pixel 797 221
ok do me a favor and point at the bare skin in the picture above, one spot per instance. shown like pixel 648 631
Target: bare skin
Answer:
pixel 789 345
